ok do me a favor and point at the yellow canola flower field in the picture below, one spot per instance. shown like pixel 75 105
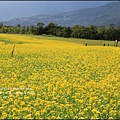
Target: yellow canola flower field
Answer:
pixel 56 79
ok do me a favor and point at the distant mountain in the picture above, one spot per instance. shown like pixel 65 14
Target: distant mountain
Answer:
pixel 14 9
pixel 103 15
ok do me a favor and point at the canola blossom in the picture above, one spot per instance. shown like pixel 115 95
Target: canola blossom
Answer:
pixel 56 79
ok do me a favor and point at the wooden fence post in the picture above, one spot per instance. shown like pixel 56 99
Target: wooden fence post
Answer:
pixel 13 50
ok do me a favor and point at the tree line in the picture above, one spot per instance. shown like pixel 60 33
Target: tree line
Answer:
pixel 77 31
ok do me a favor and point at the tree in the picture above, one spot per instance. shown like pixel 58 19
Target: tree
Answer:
pixel 51 28
pixel 118 33
pixel 59 31
pixel 27 30
pixel 32 30
pixel 1 25
pixel 91 32
pixel 111 31
pixel 18 26
pixel 40 28
pixel 75 31
pixel 4 29
pixel 101 32
pixel 22 31
pixel 78 31
pixel 66 32
pixel 40 24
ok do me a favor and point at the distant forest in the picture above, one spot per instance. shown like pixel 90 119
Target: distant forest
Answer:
pixel 77 31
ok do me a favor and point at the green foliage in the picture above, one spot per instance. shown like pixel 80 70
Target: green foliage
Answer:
pixel 77 31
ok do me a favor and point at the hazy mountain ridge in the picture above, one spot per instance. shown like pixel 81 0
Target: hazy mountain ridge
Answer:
pixel 16 9
pixel 103 15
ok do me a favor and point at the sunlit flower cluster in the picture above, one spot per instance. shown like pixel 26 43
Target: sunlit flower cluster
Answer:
pixel 54 79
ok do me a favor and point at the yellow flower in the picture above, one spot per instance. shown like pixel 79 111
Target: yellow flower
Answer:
pixel 82 113
pixel 4 115
pixel 48 75
pixel 53 117
pixel 28 116
pixel 37 113
pixel 22 103
pixel 104 111
pixel 80 101
pixel 14 109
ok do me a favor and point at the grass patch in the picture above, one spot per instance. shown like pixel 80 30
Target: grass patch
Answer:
pixel 9 39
